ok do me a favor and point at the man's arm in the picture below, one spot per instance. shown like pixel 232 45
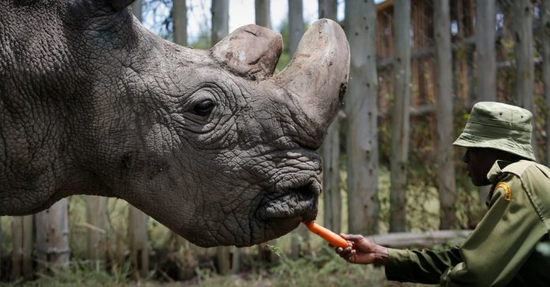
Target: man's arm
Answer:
pixel 424 266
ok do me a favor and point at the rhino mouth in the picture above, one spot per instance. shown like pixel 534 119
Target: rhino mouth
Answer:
pixel 298 202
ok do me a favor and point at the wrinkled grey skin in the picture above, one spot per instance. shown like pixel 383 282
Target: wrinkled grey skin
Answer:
pixel 217 150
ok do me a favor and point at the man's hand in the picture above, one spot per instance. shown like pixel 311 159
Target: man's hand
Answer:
pixel 362 251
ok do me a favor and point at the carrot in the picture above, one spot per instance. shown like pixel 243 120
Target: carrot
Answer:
pixel 331 237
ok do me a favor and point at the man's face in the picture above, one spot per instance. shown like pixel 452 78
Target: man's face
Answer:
pixel 479 161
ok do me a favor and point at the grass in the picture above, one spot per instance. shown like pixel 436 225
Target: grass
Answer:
pixel 320 268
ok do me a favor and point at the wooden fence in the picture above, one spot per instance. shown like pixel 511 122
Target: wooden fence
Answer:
pixel 108 241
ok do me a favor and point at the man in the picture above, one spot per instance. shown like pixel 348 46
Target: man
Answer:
pixel 510 246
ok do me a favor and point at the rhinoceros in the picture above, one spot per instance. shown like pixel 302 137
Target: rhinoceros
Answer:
pixel 209 143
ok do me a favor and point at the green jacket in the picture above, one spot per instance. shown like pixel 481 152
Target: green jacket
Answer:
pixel 509 247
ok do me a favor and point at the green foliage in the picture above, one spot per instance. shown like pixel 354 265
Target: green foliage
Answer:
pixel 79 274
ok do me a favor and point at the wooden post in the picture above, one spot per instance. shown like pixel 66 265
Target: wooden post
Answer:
pixel 220 20
pixel 295 24
pixel 485 20
pixel 444 113
pixel 485 50
pixel 362 118
pixel 138 241
pixel 180 21
pixel 262 12
pixel 299 236
pixel 22 239
pixel 52 236
pixel 96 223
pixel 223 259
pixel 522 27
pixel 1 250
pixel 545 40
pixel 400 117
pixel 220 29
pixel 137 222
pixel 328 9
pixel 332 200
pixel 137 9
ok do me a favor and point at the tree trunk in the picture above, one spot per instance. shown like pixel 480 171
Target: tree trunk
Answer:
pixel 400 117
pixel 362 118
pixel 220 20
pixel 263 13
pixel 22 239
pixel 545 39
pixel 444 114
pixel 485 48
pixel 328 9
pixel 300 236
pixel 522 24
pixel 52 236
pixel 180 21
pixel 96 219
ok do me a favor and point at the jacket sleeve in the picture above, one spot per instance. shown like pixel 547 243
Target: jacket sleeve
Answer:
pixel 420 266
pixel 502 241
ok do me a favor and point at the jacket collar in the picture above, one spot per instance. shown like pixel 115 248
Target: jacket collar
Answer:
pixel 496 170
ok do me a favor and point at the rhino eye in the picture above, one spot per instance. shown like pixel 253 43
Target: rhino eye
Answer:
pixel 204 108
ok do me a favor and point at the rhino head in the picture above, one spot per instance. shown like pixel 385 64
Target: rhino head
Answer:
pixel 209 143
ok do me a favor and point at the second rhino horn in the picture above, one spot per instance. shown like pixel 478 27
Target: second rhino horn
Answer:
pixel 250 51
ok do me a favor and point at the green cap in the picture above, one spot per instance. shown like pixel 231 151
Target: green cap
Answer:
pixel 498 126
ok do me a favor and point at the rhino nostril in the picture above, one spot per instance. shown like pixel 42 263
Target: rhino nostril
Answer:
pixel 307 200
pixel 304 192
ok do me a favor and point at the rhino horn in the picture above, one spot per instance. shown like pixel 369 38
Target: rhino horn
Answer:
pixel 250 51
pixel 317 75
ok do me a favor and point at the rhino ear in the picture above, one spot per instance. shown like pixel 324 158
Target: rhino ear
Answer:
pixel 102 5
pixel 250 51
pixel 118 5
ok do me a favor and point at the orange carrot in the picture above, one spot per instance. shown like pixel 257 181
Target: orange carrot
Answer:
pixel 331 237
